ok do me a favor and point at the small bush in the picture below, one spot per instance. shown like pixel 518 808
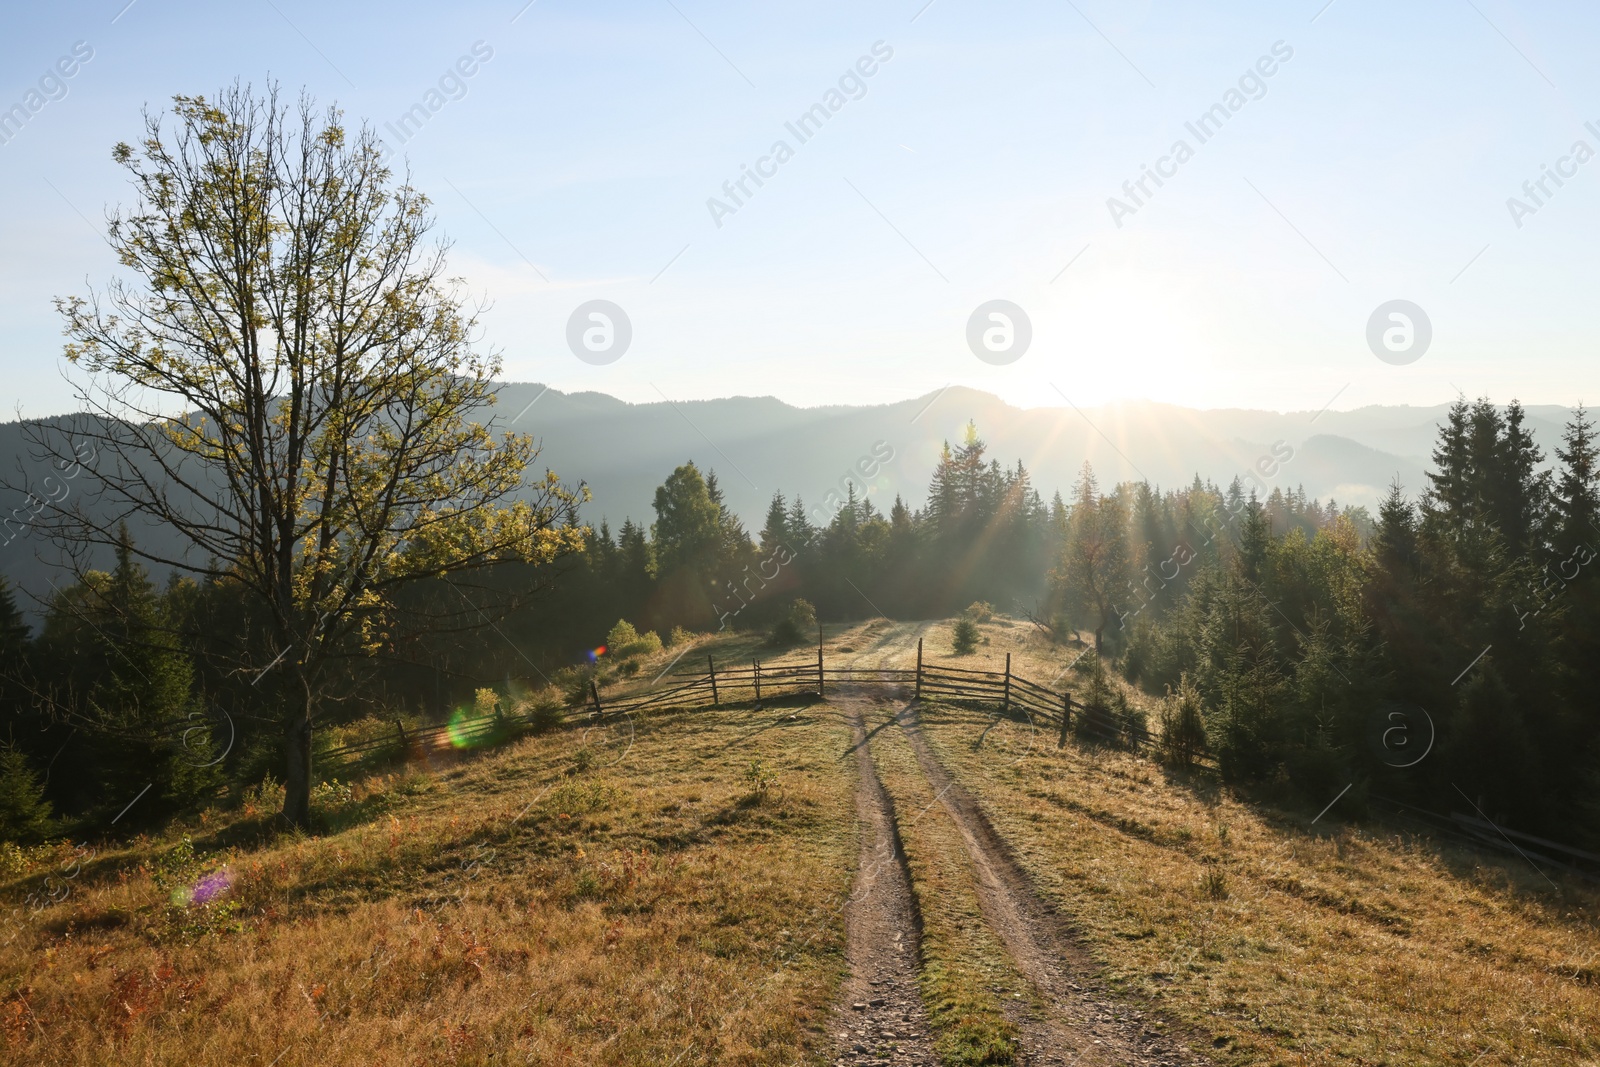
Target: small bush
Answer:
pixel 797 624
pixel 979 611
pixel 542 711
pixel 1183 727
pixel 263 798
pixel 624 641
pixel 965 636
pixel 759 779
pixel 573 682
pixel 1099 718
pixel 13 860
pixel 330 798
pixel 197 891
pixel 623 633
pixel 680 636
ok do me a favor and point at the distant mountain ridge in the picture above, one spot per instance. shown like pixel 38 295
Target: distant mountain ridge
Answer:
pixel 759 445
pixel 762 445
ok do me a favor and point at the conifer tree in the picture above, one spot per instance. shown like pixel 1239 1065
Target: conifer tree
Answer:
pixel 24 812
pixel 1577 489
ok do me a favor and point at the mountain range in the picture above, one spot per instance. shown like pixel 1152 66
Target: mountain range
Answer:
pixel 761 445
pixel 758 445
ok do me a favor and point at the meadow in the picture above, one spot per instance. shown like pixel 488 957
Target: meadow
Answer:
pixel 675 888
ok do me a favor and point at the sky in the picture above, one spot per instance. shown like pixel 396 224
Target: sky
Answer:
pixel 586 155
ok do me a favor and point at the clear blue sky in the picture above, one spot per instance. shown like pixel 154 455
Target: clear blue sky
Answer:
pixel 976 165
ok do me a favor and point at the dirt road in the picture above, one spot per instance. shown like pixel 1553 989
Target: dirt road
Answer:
pixel 881 1019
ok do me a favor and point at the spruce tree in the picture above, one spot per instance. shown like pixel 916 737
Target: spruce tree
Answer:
pixel 1577 489
pixel 775 532
pixel 149 728
pixel 13 657
pixel 1450 484
pixel 1395 543
pixel 24 812
pixel 800 529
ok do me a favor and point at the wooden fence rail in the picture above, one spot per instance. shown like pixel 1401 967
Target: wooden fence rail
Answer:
pixel 1009 691
pixel 764 681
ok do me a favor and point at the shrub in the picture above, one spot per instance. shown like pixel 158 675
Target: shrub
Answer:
pixel 542 710
pixel 197 889
pixel 680 636
pixel 979 611
pixel 573 682
pixel 624 641
pixel 583 761
pixel 580 797
pixel 1134 722
pixel 1100 719
pixel 332 797
pixel 759 779
pixel 797 624
pixel 965 636
pixel 263 798
pixel 1183 727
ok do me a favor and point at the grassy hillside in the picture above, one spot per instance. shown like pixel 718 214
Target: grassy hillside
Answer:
pixel 675 890
pixel 1292 944
pixel 573 898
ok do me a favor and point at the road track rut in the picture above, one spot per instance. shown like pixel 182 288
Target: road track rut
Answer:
pixel 1074 1020
pixel 1081 1021
pixel 880 1018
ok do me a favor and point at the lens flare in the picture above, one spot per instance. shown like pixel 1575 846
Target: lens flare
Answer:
pixel 460 729
pixel 205 890
pixel 595 653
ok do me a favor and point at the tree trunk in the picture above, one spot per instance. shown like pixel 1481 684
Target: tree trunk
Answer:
pixel 1098 632
pixel 297 784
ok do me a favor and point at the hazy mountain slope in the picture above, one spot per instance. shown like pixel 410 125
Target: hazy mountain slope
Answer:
pixel 759 444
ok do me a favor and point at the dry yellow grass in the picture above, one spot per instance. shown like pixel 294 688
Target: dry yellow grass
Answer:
pixel 512 908
pixel 1293 947
pixel 640 905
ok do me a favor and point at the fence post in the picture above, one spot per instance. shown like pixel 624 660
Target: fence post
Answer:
pixel 1066 717
pixel 1005 705
pixel 821 685
pixel 919 668
pixel 711 664
pixel 594 692
pixel 756 667
pixel 398 725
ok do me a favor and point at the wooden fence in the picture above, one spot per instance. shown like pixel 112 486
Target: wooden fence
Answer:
pixel 765 681
pixel 1012 693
